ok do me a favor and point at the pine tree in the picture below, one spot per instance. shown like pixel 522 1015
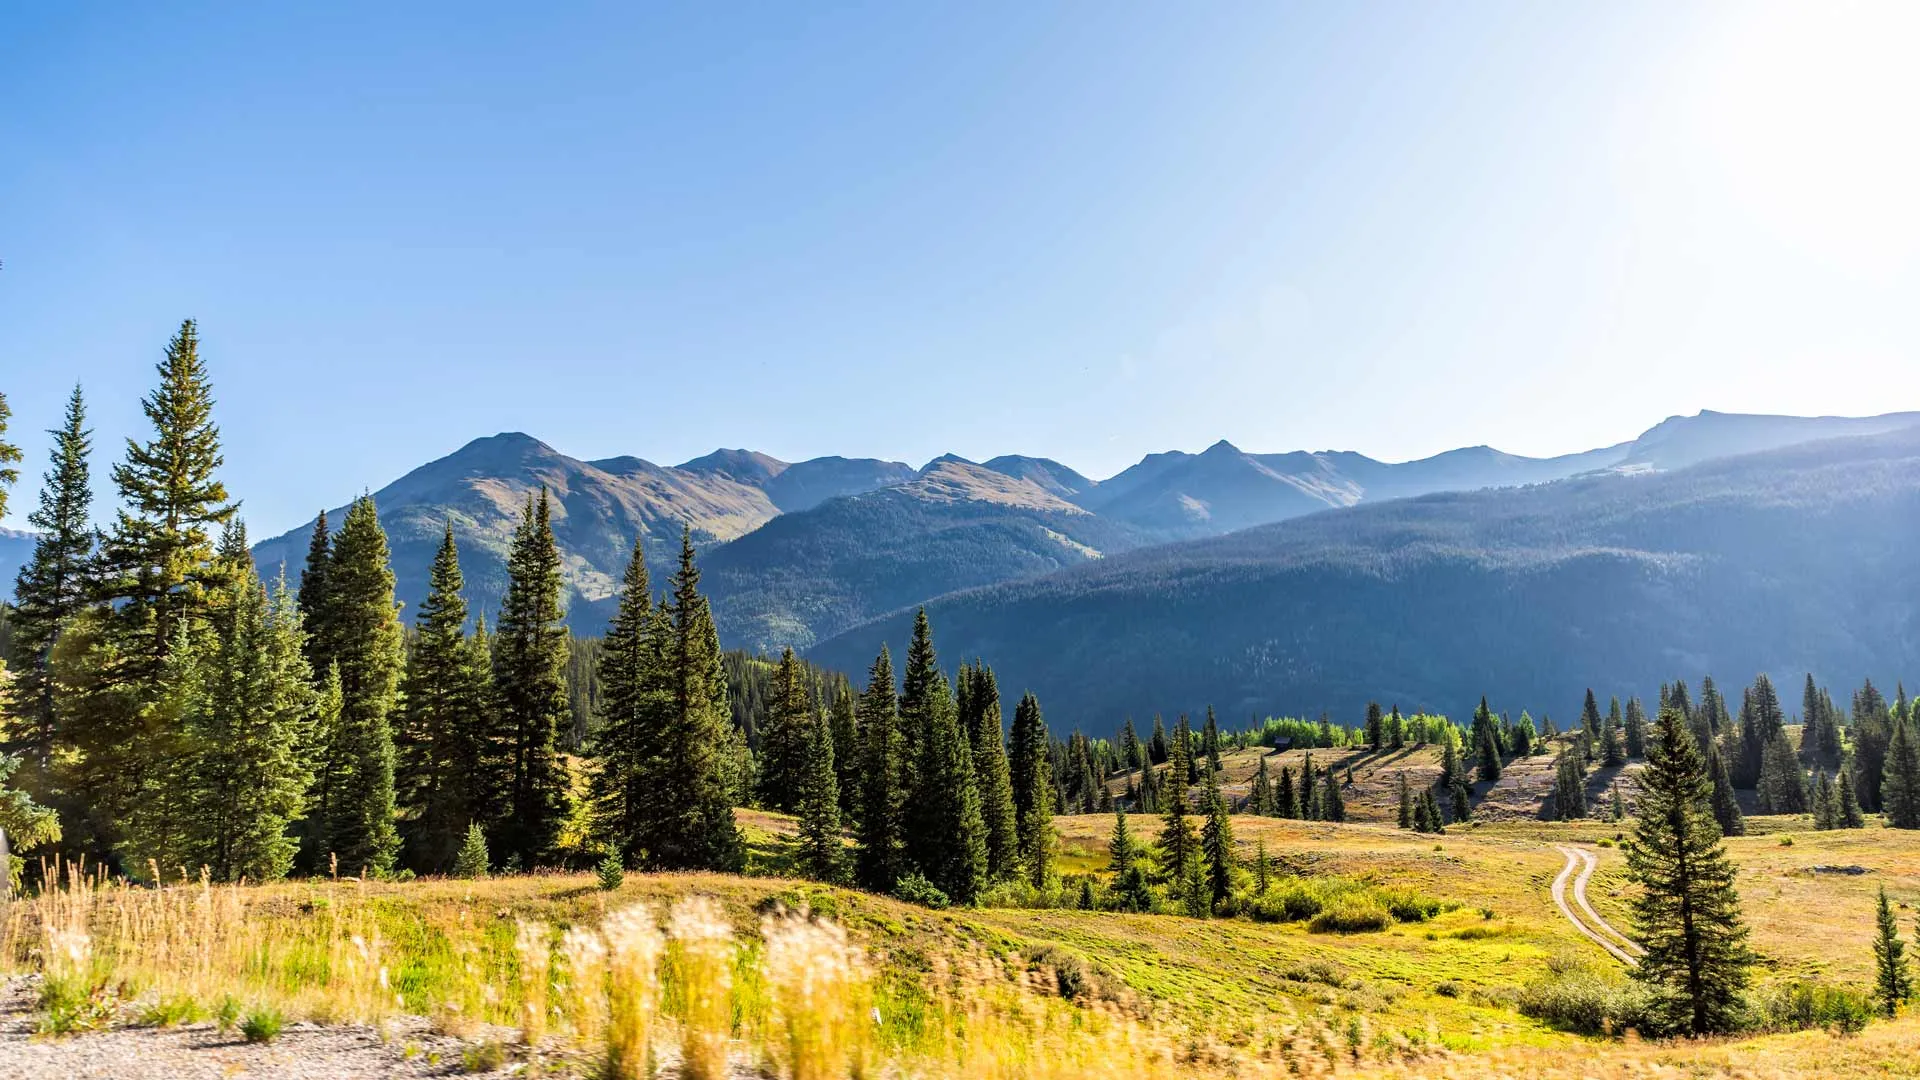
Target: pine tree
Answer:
pixel 1132 753
pixel 1612 753
pixel 1130 889
pixel 1157 751
pixel 316 600
pixel 879 861
pixel 1449 763
pixel 1900 789
pixel 1179 846
pixel 1405 820
pixel 1687 916
pixel 1725 804
pixel 53 586
pixel 1570 787
pixel 992 772
pixel 1826 803
pixel 1396 728
pixel 1636 729
pixel 1376 727
pixel 1589 717
pixel 447 776
pixel 691 824
pixel 1782 788
pixel 1849 816
pixel 1262 871
pixel 529 675
pixel 948 840
pixel 784 737
pixel 1216 841
pixel 1891 984
pixel 843 717
pixel 1260 792
pixel 9 456
pixel 1333 806
pixel 356 801
pixel 472 861
pixel 1489 766
pixel 916 691
pixel 820 849
pixel 1210 741
pixel 629 749
pixel 1286 803
pixel 1872 730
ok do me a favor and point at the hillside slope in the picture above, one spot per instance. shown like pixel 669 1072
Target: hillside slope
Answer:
pixel 1789 561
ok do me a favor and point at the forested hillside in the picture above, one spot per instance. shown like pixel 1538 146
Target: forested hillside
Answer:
pixel 1781 562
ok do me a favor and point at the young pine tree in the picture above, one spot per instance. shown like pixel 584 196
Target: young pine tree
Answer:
pixel 1286 803
pixel 820 848
pixel 1405 820
pixel 472 861
pixel 1179 847
pixel 629 752
pixel 1782 786
pixel 1216 842
pixel 1687 916
pixel 1725 804
pixel 1032 784
pixel 992 771
pixel 1636 728
pixel 1333 805
pixel 1849 816
pixel 1900 787
pixel 529 675
pixel 690 813
pixel 879 861
pixel 53 586
pixel 1892 986
pixel 948 842
pixel 1260 792
pixel 357 792
pixel 785 735
pixel 1130 889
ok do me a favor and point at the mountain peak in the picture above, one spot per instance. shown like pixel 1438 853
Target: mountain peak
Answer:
pixel 744 466
pixel 1223 448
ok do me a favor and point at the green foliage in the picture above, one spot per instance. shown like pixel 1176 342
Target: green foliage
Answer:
pixel 472 860
pixel 1804 1006
pixel 979 701
pixel 529 675
pixel 785 737
pixel 880 859
pixel 53 586
pixel 821 853
pixel 914 888
pixel 262 1024
pixel 612 873
pixel 354 798
pixel 1892 985
pixel 1900 786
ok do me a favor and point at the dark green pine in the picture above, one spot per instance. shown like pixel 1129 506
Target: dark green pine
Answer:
pixel 820 852
pixel 529 675
pixel 368 654
pixel 992 771
pixel 628 746
pixel 949 840
pixel 784 737
pixel 53 587
pixel 881 832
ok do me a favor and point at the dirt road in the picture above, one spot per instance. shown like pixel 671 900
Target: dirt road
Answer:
pixel 1601 932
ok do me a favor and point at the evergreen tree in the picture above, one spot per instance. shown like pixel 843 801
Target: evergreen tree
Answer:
pixel 1260 792
pixel 1261 870
pixel 356 794
pixel 628 744
pixel 1462 806
pixel 53 586
pixel 1569 788
pixel 1157 749
pixel 1449 763
pixel 447 777
pixel 1872 730
pixel 1520 736
pixel 916 704
pixel 1826 803
pixel 1761 722
pixel 1636 729
pixel 1849 816
pixel 157 560
pixel 9 456
pixel 472 860
pixel 1612 752
pixel 992 772
pixel 1179 846
pixel 1489 766
pixel 1333 806
pixel 1782 788
pixel 1396 729
pixel 1033 788
pixel 1589 718
pixel 948 839
pixel 1130 888
pixel 1687 916
pixel 1725 804
pixel 316 600
pixel 785 753
pixel 1891 984
pixel 1132 753
pixel 1405 819
pixel 1286 803
pixel 529 675
pixel 1900 788
pixel 1216 842
pixel 843 718
pixel 882 801
pixel 692 826
pixel 1210 741
pixel 820 848
pixel 1376 727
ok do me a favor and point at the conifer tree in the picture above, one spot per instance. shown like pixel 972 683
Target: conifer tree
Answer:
pixel 1687 915
pixel 1589 718
pixel 9 456
pixel 53 586
pixel 1179 846
pixel 1449 763
pixel 447 775
pixel 1396 728
pixel 1892 986
pixel 820 849
pixel 1725 804
pixel 1849 816
pixel 1210 741
pixel 1260 792
pixel 1376 727
pixel 1761 721
pixel 157 560
pixel 1570 787
pixel 1636 729
pixel 1872 730
pixel 1436 821
pixel 843 718
pixel 1216 842
pixel 1157 749
pixel 948 839
pixel 529 674
pixel 315 598
pixel 1405 819
pixel 691 823
pixel 472 860
pixel 628 744
pixel 785 756
pixel 1132 753
pixel 1489 766
pixel 916 690
pixel 1900 788
pixel 1130 888
pixel 1782 788
pixel 1612 752
pixel 1333 806
pixel 1286 803
pixel 357 797
pixel 1521 736
pixel 879 861
pixel 1826 803
pixel 992 772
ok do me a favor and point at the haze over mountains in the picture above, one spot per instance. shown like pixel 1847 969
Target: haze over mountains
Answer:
pixel 795 553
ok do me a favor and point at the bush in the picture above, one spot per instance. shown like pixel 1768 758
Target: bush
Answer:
pixel 1406 905
pixel 612 872
pixel 1351 915
pixel 1802 1006
pixel 171 1011
pixel 262 1024
pixel 916 889
pixel 1291 900
pixel 1075 977
pixel 227 1013
pixel 1587 1003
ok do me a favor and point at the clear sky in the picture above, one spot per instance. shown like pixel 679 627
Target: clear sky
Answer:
pixel 1086 231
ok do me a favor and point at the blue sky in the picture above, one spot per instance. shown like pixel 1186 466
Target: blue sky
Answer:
pixel 1082 231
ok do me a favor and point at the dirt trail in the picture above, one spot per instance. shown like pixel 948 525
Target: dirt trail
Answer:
pixel 1617 944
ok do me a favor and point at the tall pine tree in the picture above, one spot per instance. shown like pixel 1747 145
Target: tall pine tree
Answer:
pixel 881 834
pixel 992 770
pixel 356 776
pixel 820 851
pixel 629 743
pixel 53 586
pixel 690 822
pixel 529 675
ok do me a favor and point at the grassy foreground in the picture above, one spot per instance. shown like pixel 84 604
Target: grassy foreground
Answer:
pixel 554 971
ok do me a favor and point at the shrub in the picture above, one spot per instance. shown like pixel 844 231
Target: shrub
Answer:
pixel 916 889
pixel 171 1011
pixel 262 1024
pixel 471 862
pixel 1324 972
pixel 1801 1006
pixel 1075 977
pixel 227 1013
pixel 1587 1003
pixel 612 873
pixel 1290 900
pixel 1448 989
pixel 1351 915
pixel 1406 905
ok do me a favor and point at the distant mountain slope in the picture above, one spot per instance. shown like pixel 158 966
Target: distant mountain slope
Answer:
pixel 1784 561
pixel 1679 441
pixel 1045 473
pixel 810 574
